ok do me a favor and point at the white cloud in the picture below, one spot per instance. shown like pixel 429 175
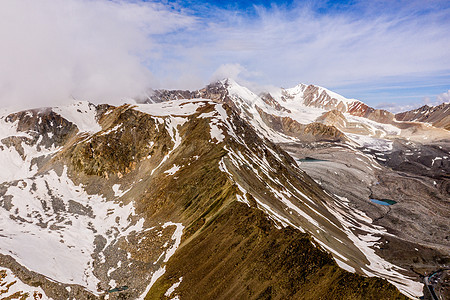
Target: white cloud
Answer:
pixel 98 50
pixel 444 97
pixel 228 71
pixel 396 107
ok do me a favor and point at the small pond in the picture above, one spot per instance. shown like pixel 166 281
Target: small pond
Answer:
pixel 383 201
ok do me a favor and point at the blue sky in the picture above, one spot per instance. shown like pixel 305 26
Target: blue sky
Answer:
pixel 389 54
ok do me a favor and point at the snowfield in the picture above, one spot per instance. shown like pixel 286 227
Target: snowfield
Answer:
pixel 44 219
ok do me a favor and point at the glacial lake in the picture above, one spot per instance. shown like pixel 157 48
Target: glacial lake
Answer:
pixel 383 201
pixel 310 159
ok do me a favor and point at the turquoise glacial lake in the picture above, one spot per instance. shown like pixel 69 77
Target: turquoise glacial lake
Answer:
pixel 383 201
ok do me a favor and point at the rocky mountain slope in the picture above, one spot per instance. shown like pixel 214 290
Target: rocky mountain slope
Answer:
pixel 438 116
pixel 218 194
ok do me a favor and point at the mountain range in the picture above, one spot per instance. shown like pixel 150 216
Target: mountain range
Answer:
pixel 222 193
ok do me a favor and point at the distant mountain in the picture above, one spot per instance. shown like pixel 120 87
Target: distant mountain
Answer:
pixel 316 96
pixel 221 193
pixel 438 116
pixel 287 113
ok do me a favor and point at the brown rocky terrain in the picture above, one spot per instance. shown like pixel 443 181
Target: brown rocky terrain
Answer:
pixel 313 96
pixel 311 132
pixel 438 116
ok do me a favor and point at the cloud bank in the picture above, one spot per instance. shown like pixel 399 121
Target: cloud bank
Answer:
pixel 55 50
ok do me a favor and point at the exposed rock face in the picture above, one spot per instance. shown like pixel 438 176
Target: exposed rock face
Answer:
pixel 438 115
pixel 119 148
pixel 311 132
pixel 333 118
pixel 158 96
pixel 268 99
pixel 215 91
pixel 45 127
pixel 321 98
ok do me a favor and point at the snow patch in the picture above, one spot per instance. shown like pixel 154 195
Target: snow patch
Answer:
pixel 371 142
pixel 172 170
pixel 170 290
pixel 117 192
pixel 83 114
pixel 172 108
pixel 46 217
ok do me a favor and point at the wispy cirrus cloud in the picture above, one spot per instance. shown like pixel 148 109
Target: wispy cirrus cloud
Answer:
pixel 103 50
pixel 384 42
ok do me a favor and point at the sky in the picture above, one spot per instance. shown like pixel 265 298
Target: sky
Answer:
pixel 390 54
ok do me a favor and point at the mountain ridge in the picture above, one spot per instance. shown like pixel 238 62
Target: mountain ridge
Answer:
pixel 127 178
pixel 438 115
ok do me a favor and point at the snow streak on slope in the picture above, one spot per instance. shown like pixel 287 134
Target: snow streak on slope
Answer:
pixel 368 234
pixel 176 237
pixel 12 287
pixel 247 102
pixel 43 218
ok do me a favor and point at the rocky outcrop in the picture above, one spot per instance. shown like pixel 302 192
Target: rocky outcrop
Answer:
pixel 313 132
pixel 321 98
pixel 316 97
pixel 157 96
pixel 43 126
pixel 438 116
pixel 269 100
pixel 333 118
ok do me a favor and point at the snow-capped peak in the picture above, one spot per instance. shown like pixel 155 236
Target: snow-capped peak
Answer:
pixel 236 90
